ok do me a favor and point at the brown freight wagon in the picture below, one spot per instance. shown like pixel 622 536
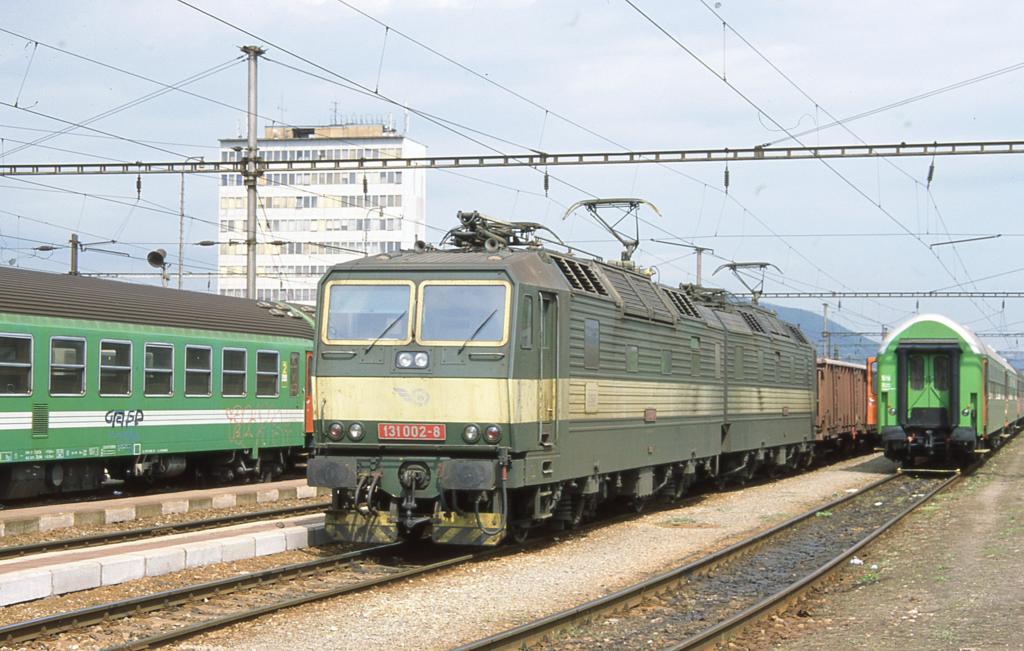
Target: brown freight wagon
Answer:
pixel 843 397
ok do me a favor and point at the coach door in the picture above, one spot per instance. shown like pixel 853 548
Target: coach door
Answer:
pixel 928 388
pixel 547 399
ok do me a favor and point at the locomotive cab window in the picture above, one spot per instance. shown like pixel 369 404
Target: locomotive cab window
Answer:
pixel 267 374
pixel 115 368
pixel 15 365
pixel 463 312
pixel 368 311
pixel 67 366
pixel 233 373
pixel 198 371
pixel 159 370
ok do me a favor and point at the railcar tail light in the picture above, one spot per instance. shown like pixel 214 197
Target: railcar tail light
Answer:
pixel 335 431
pixel 492 434
pixel 355 431
pixel 892 411
pixel 421 360
pixel 966 411
pixel 404 360
pixel 471 434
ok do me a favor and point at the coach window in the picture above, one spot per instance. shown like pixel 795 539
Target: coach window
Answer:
pixel 266 374
pixel 198 371
pixel 67 366
pixel 159 369
pixel 233 375
pixel 15 365
pixel 115 368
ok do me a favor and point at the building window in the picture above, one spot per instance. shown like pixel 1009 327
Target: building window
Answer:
pixel 115 368
pixel 266 374
pixel 159 370
pixel 233 376
pixel 67 366
pixel 15 365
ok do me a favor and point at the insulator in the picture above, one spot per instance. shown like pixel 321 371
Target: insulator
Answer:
pixel 138 186
pixel 931 174
pixel 366 185
pixel 547 183
pixel 727 179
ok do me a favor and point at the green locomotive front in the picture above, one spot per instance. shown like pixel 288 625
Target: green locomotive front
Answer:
pixel 102 380
pixel 943 394
pixel 473 393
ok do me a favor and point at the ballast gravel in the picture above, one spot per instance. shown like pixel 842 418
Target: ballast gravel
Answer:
pixel 479 599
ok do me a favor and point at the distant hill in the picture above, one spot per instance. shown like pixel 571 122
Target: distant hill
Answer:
pixel 852 348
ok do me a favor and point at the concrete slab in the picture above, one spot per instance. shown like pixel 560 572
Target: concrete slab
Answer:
pixel 72 577
pixel 203 553
pixel 17 587
pixel 270 495
pixel 164 561
pixel 56 521
pixel 237 549
pixel 269 542
pixel 118 569
pixel 174 506
pixel 305 492
pixel 296 537
pixel 119 514
pixel 224 501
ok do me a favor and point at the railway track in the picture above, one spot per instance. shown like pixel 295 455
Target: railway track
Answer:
pixel 703 602
pixel 16 551
pixel 161 618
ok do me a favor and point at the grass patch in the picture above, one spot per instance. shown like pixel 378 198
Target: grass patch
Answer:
pixel 823 514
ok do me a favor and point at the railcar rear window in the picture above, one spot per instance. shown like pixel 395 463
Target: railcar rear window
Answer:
pixel 15 365
pixel 463 313
pixel 368 312
pixel 916 372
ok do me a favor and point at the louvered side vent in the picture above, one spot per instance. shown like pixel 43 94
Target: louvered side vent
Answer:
pixel 567 271
pixel 752 321
pixel 40 420
pixel 797 334
pixel 581 276
pixel 594 280
pixel 683 304
pixel 631 301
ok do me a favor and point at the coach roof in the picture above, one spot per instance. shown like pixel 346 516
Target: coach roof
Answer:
pixel 77 297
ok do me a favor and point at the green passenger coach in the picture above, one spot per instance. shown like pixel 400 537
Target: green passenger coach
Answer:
pixel 470 393
pixel 106 380
pixel 943 394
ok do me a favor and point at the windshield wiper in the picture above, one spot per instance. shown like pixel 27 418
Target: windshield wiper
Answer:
pixel 477 331
pixel 386 330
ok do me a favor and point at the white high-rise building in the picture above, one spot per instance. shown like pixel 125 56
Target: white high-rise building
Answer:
pixel 308 221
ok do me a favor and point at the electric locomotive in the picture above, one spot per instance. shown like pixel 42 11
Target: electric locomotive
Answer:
pixel 943 394
pixel 474 392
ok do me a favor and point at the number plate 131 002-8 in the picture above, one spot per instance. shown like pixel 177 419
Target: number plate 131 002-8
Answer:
pixel 410 432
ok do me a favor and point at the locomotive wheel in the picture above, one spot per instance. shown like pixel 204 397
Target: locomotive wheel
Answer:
pixel 518 533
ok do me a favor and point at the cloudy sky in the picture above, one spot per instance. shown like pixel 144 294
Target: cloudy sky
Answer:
pixel 556 76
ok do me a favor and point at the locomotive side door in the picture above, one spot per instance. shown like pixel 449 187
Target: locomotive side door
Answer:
pixel 547 385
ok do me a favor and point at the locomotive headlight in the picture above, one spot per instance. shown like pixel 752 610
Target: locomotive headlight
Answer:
pixel 335 431
pixel 404 360
pixel 892 411
pixel 355 431
pixel 492 434
pixel 421 360
pixel 471 434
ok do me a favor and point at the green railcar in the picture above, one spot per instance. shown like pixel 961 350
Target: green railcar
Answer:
pixel 471 393
pixel 105 380
pixel 943 394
